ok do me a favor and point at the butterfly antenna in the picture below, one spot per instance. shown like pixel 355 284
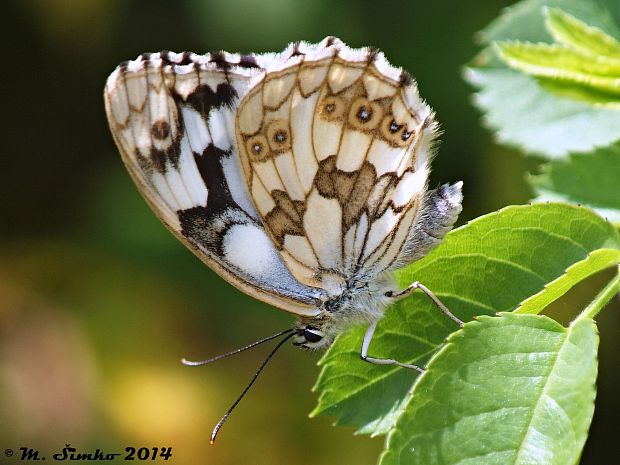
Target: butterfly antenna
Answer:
pixel 190 363
pixel 247 388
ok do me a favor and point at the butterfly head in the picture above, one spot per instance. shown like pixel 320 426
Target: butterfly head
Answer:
pixel 312 335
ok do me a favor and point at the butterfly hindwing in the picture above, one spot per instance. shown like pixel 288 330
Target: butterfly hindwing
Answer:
pixel 173 117
pixel 335 146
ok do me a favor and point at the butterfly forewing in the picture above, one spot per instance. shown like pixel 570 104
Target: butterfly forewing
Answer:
pixel 335 149
pixel 173 117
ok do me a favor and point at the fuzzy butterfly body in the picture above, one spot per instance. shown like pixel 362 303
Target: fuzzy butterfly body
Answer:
pixel 301 178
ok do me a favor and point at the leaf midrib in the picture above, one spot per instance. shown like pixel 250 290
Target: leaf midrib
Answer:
pixel 541 396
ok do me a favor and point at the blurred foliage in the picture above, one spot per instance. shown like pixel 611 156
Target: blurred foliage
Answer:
pixel 516 107
pixel 576 86
pixel 581 64
pixel 584 178
pixel 98 302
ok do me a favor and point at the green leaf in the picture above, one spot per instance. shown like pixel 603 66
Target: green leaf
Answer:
pixel 526 116
pixel 584 64
pixel 526 20
pixel 547 117
pixel 594 262
pixel 514 389
pixel 582 92
pixel 561 63
pixel 557 61
pixel 590 179
pixel 491 264
pixel 578 35
pixel 370 397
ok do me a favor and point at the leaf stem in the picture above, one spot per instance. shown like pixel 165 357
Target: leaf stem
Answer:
pixel 599 302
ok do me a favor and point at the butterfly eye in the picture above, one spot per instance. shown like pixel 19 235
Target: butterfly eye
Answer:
pixel 312 335
pixel 365 114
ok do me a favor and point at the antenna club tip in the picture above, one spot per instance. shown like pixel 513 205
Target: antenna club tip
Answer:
pixel 212 441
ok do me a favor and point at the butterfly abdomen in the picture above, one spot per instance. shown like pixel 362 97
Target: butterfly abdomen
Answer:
pixel 441 209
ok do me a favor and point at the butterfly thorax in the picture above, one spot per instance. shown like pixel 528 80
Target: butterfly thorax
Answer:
pixel 362 300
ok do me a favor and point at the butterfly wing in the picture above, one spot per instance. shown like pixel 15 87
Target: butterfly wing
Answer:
pixel 172 116
pixel 335 145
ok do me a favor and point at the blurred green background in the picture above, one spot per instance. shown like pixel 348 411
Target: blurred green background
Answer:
pixel 98 302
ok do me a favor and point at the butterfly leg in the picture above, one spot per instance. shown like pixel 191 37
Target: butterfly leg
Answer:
pixel 381 361
pixel 433 297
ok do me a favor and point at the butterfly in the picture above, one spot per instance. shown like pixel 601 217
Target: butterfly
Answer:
pixel 299 177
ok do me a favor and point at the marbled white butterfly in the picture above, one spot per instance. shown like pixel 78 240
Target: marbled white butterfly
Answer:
pixel 299 177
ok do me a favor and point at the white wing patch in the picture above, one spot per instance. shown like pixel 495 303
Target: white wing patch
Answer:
pixel 335 148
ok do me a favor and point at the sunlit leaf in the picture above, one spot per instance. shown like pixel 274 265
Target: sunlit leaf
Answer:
pixel 526 21
pixel 590 179
pixel 526 116
pixel 489 265
pixel 547 116
pixel 581 92
pixel 594 262
pixel 557 60
pixel 583 64
pixel 578 35
pixel 562 63
pixel 514 389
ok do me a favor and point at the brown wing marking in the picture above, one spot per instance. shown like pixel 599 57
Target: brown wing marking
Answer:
pixel 365 138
